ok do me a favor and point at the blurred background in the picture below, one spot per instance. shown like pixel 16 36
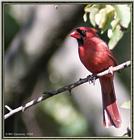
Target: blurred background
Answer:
pixel 40 55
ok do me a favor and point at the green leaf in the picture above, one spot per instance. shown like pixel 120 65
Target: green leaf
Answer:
pixel 123 13
pixel 85 17
pixel 115 37
pixel 114 23
pixel 94 10
pixel 104 17
pixel 126 105
pixel 110 33
pixel 88 8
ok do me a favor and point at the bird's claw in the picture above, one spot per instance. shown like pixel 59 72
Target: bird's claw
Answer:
pixel 92 79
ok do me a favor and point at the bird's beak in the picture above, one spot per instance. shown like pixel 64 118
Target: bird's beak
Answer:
pixel 75 34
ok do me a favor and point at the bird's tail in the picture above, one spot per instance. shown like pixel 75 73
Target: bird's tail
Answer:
pixel 111 115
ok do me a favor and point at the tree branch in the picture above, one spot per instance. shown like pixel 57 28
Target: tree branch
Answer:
pixel 47 94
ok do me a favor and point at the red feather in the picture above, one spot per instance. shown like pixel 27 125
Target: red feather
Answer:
pixel 96 57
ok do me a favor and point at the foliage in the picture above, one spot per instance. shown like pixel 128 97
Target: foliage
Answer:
pixel 109 18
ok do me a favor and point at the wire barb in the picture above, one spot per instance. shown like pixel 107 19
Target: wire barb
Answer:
pixel 8 108
pixel 70 92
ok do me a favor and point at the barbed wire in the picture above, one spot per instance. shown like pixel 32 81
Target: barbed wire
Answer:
pixel 50 93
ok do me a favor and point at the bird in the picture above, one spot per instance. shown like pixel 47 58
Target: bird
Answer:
pixel 97 57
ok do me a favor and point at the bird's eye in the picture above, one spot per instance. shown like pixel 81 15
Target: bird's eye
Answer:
pixel 82 32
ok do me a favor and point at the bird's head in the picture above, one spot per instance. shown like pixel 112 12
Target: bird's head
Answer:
pixel 81 33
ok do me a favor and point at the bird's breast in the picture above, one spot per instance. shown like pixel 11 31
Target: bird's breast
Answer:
pixel 95 59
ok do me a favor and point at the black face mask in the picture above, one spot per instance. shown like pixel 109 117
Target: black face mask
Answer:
pixel 80 41
pixel 82 34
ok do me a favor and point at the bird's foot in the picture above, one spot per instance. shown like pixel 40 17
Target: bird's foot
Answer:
pixel 92 79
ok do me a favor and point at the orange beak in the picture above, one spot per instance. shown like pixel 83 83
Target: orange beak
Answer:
pixel 75 34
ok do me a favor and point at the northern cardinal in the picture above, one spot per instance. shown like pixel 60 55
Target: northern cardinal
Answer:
pixel 96 57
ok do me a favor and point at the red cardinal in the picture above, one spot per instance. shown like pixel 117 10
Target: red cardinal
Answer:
pixel 96 57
